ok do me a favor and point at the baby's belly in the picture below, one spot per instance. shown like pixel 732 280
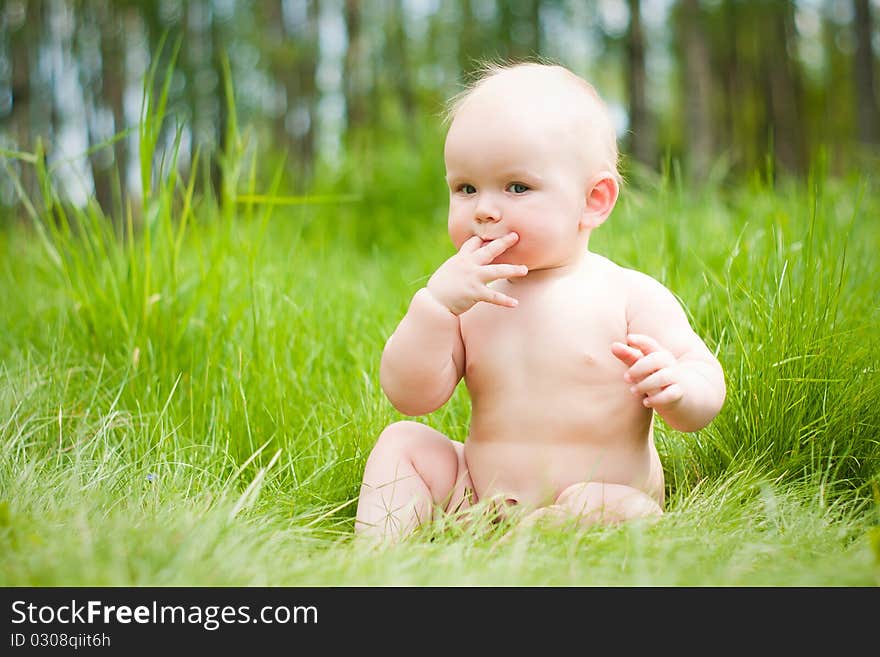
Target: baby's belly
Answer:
pixel 533 464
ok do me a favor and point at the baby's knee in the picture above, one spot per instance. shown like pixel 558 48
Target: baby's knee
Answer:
pixel 398 438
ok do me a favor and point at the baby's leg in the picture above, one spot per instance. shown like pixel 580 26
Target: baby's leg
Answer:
pixel 412 468
pixel 595 502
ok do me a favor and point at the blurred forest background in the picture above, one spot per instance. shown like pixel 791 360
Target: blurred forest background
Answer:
pixel 723 88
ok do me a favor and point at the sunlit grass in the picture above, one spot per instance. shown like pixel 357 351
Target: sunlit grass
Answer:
pixel 188 396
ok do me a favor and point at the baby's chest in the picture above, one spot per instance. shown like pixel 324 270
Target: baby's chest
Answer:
pixel 550 338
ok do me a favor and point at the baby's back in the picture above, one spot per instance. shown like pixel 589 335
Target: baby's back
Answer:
pixel 549 404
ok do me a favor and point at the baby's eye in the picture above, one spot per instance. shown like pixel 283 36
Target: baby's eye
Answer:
pixel 467 188
pixel 518 188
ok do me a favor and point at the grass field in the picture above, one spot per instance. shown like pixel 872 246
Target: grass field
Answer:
pixel 192 402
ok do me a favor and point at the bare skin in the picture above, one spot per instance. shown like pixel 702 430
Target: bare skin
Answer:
pixel 566 355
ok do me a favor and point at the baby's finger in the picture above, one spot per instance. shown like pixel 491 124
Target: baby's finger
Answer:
pixel 627 355
pixel 498 298
pixel 489 273
pixel 471 245
pixel 646 343
pixel 648 365
pixel 668 395
pixel 496 247
pixel 654 382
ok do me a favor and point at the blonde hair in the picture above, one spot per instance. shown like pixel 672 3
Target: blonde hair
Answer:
pixel 489 70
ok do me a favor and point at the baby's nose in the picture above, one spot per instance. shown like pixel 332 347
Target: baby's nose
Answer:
pixel 487 212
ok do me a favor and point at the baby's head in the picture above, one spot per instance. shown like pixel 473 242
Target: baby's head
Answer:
pixel 530 148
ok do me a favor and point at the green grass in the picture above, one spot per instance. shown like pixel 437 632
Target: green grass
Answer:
pixel 188 397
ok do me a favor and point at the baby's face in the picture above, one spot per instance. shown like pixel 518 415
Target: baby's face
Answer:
pixel 516 171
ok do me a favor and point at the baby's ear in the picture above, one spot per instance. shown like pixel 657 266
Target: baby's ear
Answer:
pixel 601 198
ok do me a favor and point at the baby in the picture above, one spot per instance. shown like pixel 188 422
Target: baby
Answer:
pixel 566 355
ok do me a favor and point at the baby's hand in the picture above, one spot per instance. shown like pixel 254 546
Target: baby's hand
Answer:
pixel 654 373
pixel 461 281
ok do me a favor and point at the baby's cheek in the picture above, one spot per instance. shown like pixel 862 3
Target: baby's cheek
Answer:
pixel 536 250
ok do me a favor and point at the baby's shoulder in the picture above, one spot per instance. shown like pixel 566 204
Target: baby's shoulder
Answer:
pixel 636 287
pixel 624 278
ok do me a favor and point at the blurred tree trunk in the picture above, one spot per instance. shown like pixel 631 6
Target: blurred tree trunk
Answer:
pixel 23 39
pixel 190 63
pixel 217 40
pixel 280 46
pixel 113 87
pixel 400 66
pixel 784 83
pixel 838 119
pixel 354 71
pixel 697 89
pixel 867 114
pixel 307 69
pixel 290 40
pixel 275 44
pixel 89 48
pixel 641 138
pixel 46 108
pixel 732 81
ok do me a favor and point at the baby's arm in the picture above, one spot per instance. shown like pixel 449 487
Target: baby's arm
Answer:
pixel 424 358
pixel 670 367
